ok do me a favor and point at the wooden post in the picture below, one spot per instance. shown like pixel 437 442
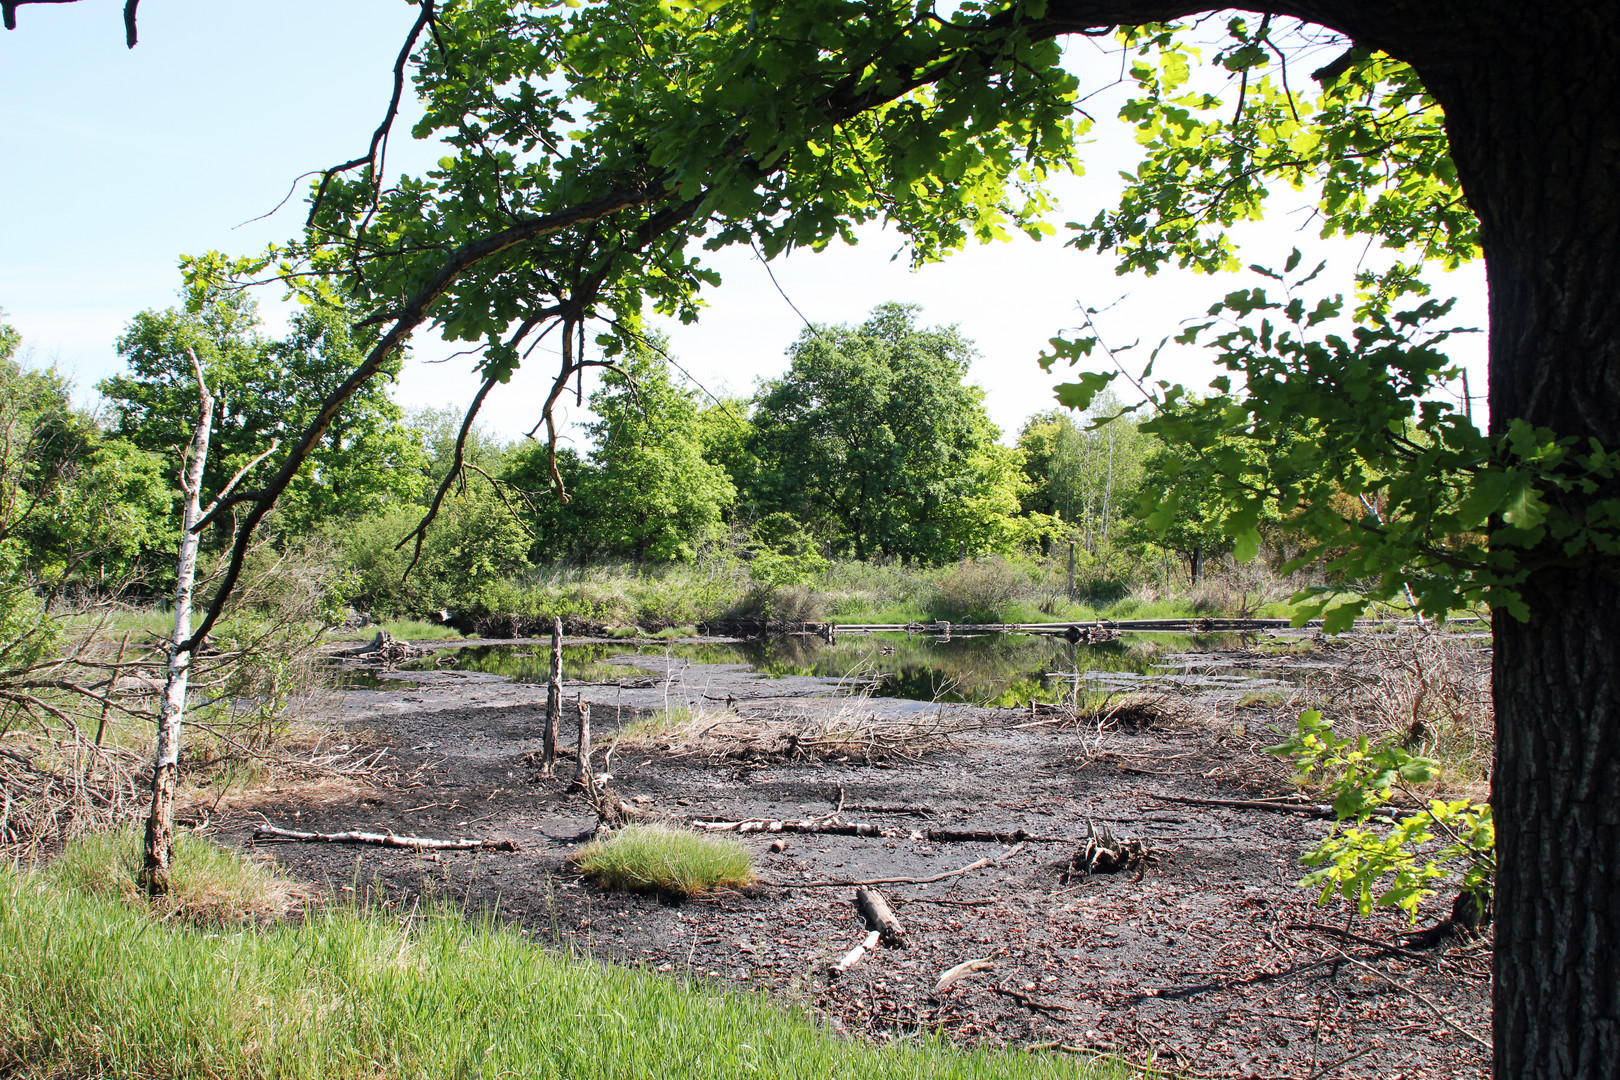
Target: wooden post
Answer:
pixel 582 755
pixel 548 751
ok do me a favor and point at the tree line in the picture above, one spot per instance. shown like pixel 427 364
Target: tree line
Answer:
pixel 872 445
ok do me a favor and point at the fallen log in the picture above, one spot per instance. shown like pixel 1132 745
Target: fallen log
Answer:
pixel 875 910
pixel 832 826
pixel 354 836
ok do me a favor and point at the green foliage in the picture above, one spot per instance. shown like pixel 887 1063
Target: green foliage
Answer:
pixel 650 494
pixel 1083 474
pixel 1341 437
pixel 263 390
pixel 873 440
pixel 658 858
pixel 1379 859
pixel 1369 138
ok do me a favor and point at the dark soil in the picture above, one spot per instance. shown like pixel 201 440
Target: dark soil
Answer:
pixel 1197 961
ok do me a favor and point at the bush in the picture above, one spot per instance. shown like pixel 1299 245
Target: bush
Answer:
pixel 657 858
pixel 984 590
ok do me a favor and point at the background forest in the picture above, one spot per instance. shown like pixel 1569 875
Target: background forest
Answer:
pixel 867 483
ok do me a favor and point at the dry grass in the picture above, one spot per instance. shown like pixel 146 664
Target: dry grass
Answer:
pixel 1429 689
pixel 665 859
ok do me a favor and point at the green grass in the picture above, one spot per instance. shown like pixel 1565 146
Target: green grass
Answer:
pixel 209 884
pixel 657 858
pixel 91 985
pixel 404 629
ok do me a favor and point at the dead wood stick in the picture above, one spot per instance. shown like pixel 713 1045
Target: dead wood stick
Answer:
pixel 1432 1007
pixel 980 865
pixel 1318 810
pixel 834 827
pixel 548 747
pixel 354 836
pixel 854 955
pixel 951 976
pixel 875 910
pixel 1029 1001
pixel 582 752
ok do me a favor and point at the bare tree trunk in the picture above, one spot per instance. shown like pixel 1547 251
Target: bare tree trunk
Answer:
pixel 160 822
pixel 582 754
pixel 548 752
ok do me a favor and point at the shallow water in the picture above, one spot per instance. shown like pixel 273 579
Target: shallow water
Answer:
pixel 989 669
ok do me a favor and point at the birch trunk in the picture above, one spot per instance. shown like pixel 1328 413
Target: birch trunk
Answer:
pixel 160 822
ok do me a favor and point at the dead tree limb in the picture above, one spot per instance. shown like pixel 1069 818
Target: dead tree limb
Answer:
pixel 878 915
pixel 1317 810
pixel 548 751
pixel 980 865
pixel 854 955
pixel 354 836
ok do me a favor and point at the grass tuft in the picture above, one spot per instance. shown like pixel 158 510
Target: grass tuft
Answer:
pixel 208 884
pixel 658 858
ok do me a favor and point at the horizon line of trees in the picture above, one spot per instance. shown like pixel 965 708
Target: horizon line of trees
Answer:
pixel 871 445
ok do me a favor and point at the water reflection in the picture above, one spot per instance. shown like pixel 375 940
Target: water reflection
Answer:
pixel 994 669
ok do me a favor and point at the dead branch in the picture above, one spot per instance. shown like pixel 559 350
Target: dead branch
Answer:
pixel 980 865
pixel 1315 810
pixel 967 968
pixel 854 955
pixel 354 836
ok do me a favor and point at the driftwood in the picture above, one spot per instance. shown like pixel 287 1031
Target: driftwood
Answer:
pixel 354 836
pixel 875 910
pixel 390 650
pixel 1317 810
pixel 951 976
pixel 854 955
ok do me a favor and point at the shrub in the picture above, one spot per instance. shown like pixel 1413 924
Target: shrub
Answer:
pixel 658 858
pixel 984 590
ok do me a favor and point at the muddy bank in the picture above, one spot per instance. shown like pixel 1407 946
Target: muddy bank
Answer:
pixel 1205 957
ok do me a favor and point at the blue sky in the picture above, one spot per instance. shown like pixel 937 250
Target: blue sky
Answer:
pixel 117 161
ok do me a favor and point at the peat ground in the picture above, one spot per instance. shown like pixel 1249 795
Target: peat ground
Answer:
pixel 1201 963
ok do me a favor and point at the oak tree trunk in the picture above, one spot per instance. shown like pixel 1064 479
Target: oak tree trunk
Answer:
pixel 1530 99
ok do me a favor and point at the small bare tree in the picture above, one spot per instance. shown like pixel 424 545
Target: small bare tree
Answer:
pixel 183 647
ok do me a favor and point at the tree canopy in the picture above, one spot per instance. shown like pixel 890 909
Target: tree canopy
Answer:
pixel 874 439
pixel 599 149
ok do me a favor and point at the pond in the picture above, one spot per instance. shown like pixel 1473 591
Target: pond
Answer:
pixel 988 669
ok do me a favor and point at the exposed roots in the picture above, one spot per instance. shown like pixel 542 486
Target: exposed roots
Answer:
pixel 1104 853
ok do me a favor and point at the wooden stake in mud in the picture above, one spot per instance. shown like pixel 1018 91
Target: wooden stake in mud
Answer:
pixel 582 755
pixel 548 751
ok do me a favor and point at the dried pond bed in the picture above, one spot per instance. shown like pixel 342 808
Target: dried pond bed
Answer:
pixel 1199 959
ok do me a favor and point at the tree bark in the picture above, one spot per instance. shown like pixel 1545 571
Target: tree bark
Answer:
pixel 159 851
pixel 1530 110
